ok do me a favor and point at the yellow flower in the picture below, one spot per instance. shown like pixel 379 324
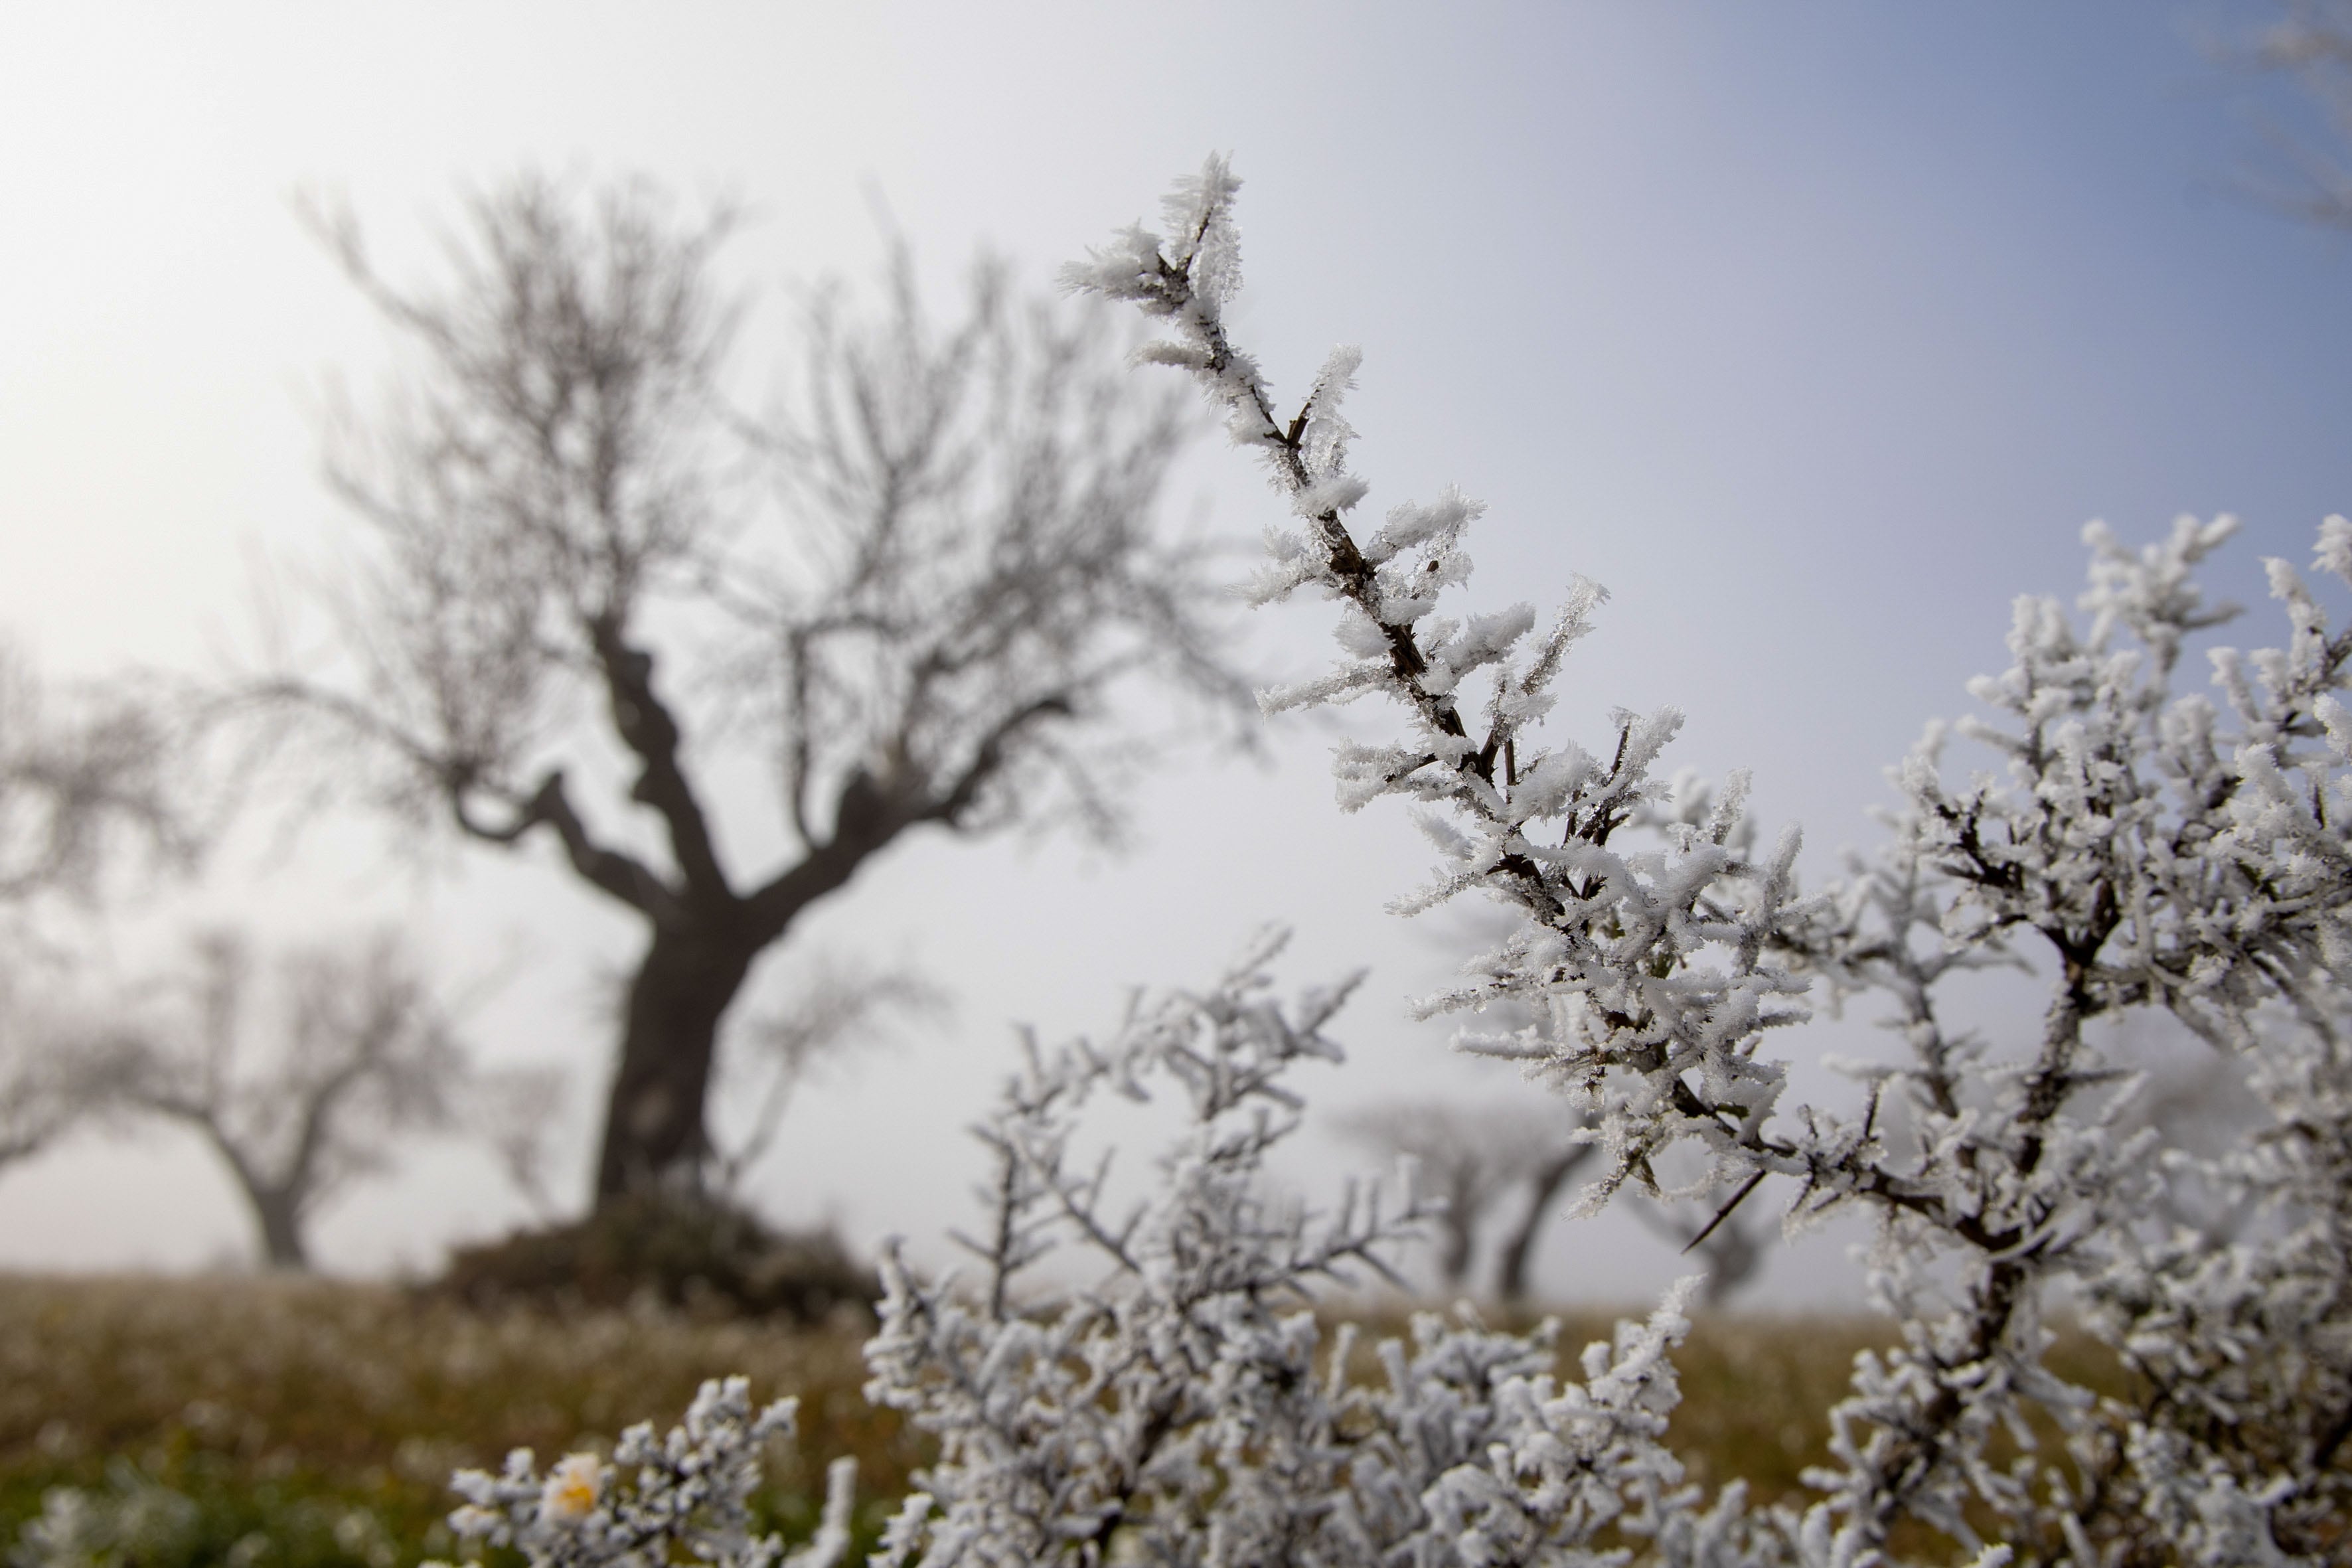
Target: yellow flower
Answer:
pixel 572 1488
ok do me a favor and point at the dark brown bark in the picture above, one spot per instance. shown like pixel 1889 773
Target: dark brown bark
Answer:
pixel 1460 1227
pixel 705 938
pixel 281 1231
pixel 705 935
pixel 1511 1266
pixel 276 1205
pixel 654 1131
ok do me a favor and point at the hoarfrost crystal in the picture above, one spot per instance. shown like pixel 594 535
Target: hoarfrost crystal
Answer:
pixel 2141 849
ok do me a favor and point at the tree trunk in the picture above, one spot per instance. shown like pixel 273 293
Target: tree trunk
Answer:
pixel 281 1230
pixel 1511 1266
pixel 1460 1227
pixel 654 1132
pixel 277 1201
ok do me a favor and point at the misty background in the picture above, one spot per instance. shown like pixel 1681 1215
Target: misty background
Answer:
pixel 1814 333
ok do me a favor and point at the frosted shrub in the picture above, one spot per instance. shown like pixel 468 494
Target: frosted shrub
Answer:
pixel 1182 1402
pixel 1184 1406
pixel 2149 850
pixel 2140 848
pixel 688 1491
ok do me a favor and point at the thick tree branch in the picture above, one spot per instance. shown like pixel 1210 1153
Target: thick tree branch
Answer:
pixel 646 726
pixel 612 871
pixel 989 757
pixel 767 911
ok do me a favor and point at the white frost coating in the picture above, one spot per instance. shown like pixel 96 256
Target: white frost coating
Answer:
pixel 2146 849
pixel 1186 1403
pixel 687 1492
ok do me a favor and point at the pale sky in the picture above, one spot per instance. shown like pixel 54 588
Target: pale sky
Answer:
pixel 1814 331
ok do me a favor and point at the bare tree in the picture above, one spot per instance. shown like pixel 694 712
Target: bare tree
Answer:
pixel 926 615
pixel 81 778
pixel 53 1073
pixel 1732 1244
pixel 1542 1184
pixel 1485 1161
pixel 1481 1159
pixel 35 1107
pixel 1477 1159
pixel 82 782
pixel 1465 1158
pixel 301 1089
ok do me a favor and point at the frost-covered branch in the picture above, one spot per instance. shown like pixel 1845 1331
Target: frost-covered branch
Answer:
pixel 1184 1406
pixel 2144 849
pixel 689 1492
pixel 1177 1401
pixel 1656 961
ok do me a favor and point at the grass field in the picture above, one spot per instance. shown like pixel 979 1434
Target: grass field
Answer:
pixel 273 1423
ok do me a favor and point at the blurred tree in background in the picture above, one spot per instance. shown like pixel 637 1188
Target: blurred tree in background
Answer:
pixel 925 596
pixel 301 1072
pixel 85 782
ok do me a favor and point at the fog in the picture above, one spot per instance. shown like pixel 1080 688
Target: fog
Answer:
pixel 1815 333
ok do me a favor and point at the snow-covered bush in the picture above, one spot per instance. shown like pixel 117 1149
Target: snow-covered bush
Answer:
pixel 689 1490
pixel 1184 1406
pixel 2141 849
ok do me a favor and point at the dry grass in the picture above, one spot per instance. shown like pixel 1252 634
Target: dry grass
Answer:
pixel 343 1396
pixel 263 1398
pixel 1756 1393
